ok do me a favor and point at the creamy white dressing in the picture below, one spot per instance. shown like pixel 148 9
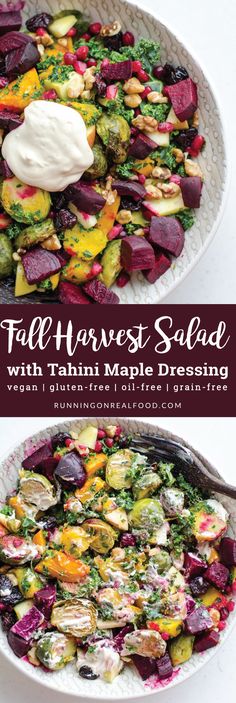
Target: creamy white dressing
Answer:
pixel 50 149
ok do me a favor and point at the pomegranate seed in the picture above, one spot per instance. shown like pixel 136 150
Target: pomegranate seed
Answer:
pixel 101 433
pixel 80 67
pixel 40 32
pixel 224 613
pixel 118 431
pixel 142 76
pixel 98 446
pixel 221 625
pixel 145 92
pixel 69 58
pixel 198 143
pixel 82 53
pixel 175 179
pixel 95 270
pixel 136 66
pixel 72 32
pixel 111 92
pixel 86 36
pixel 230 606
pixel 114 232
pixel 159 72
pixel 153 626
pixel 95 28
pixel 3 82
pixel 57 456
pixel 228 589
pixel 68 442
pixel 128 540
pixel 91 62
pixel 104 63
pixel 109 442
pixel 122 279
pixel 165 127
pixel 165 636
pixel 141 178
pixel 49 95
pixel 128 39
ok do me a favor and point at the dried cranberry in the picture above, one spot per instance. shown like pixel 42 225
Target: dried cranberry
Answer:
pixel 128 540
pixel 130 204
pixel 86 673
pixel 114 43
pixel 198 586
pixel 64 219
pixel 100 85
pixel 41 20
pixel 174 75
pixel 181 74
pixel 8 619
pixel 159 72
pixel 185 138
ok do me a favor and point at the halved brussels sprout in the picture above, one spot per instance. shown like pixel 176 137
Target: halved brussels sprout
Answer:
pixel 114 132
pixel 103 537
pixel 28 582
pixel 147 513
pixel 6 251
pixel 10 521
pixel 24 203
pixel 181 649
pixel 117 469
pixel 36 489
pixel 77 616
pixel 146 643
pixel 17 550
pixel 111 570
pixel 74 540
pixel 111 263
pixel 54 650
pixel 99 166
pixel 146 485
pixel 101 659
pixel 162 560
pixel 172 500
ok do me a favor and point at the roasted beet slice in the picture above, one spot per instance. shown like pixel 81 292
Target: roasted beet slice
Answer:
pixel 142 147
pixel 167 233
pixel 62 256
pixel 132 189
pixel 47 467
pixel 145 665
pixel 217 574
pixel 85 198
pixel 34 460
pixel 228 551
pixel 19 646
pixel 194 566
pixel 191 188
pixel 162 264
pixel 118 640
pixel 45 598
pixel 184 98
pixel 10 21
pixel 206 641
pixel 164 666
pixel 59 440
pixel 121 71
pixel 198 621
pixel 40 264
pixel 70 471
pixel 136 254
pixel 9 120
pixel 198 586
pixel 12 41
pixel 98 292
pixel 5 171
pixel 29 624
pixel 70 294
pixel 21 60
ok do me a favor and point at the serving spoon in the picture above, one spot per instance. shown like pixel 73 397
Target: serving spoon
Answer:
pixel 158 448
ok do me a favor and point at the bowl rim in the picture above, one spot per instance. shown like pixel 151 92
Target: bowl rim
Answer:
pixel 202 661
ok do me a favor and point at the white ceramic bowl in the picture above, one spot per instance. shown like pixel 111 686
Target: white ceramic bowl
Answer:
pixel 128 685
pixel 212 161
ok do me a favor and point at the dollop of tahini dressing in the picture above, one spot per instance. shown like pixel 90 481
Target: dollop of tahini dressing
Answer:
pixel 50 149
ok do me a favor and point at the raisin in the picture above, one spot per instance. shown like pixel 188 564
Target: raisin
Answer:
pixel 41 20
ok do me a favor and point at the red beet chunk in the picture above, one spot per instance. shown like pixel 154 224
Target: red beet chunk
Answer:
pixel 70 294
pixel 45 598
pixel 142 147
pixel 27 626
pixel 194 566
pixel 34 460
pixel 70 471
pixel 5 171
pixel 85 198
pixel 47 467
pixel 9 120
pixel 18 645
pixel 121 71
pixel 12 41
pixel 21 60
pixel 191 188
pixel 167 233
pixel 98 292
pixel 10 21
pixel 162 264
pixel 198 621
pixel 198 586
pixel 40 264
pixel 228 551
pixel 62 256
pixel 136 254
pixel 184 98
pixel 145 666
pixel 132 189
pixel 164 666
pixel 118 640
pixel 217 574
pixel 206 641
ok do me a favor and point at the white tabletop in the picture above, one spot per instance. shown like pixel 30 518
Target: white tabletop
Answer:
pixel 217 680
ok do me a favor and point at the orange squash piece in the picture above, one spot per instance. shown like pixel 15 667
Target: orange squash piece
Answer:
pixel 95 463
pixel 18 94
pixel 63 567
pixel 144 166
pixel 39 539
pixel 108 215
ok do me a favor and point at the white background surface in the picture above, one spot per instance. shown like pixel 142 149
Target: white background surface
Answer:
pixel 216 682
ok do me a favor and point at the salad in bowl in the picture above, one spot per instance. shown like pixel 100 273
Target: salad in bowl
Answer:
pixel 100 177
pixel 111 563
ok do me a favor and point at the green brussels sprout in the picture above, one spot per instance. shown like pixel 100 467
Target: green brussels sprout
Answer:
pixel 172 500
pixel 24 203
pixel 28 581
pixel 35 233
pixel 36 489
pixel 6 261
pixel 147 513
pixel 114 132
pixel 146 485
pixel 110 262
pixel 17 550
pixel 99 166
pixel 54 650
pixel 162 561
pixel 181 649
pixel 103 535
pixel 76 616
pixel 117 469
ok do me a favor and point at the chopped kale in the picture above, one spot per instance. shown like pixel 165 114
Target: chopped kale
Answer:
pixel 159 112
pixel 187 219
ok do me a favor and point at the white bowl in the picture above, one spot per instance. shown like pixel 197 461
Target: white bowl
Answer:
pixel 213 160
pixel 128 685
